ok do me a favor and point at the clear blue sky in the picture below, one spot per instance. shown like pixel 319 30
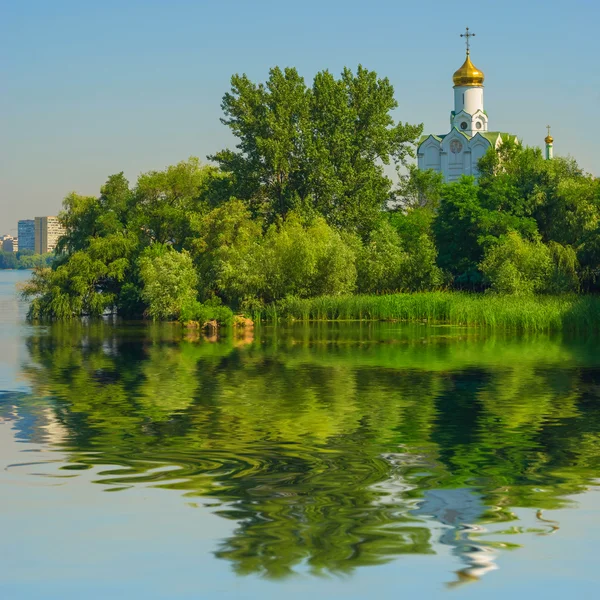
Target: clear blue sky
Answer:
pixel 93 88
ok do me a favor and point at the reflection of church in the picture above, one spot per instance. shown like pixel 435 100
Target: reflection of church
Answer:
pixel 458 152
pixel 460 510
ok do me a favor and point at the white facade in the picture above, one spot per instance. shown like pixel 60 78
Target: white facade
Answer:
pixel 456 153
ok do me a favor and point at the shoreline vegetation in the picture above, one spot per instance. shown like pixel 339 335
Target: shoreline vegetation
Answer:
pixel 302 222
pixel 24 260
pixel 575 313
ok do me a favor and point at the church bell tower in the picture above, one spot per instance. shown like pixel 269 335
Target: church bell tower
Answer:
pixel 468 115
pixel 549 145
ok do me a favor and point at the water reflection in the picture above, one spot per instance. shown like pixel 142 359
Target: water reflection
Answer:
pixel 330 447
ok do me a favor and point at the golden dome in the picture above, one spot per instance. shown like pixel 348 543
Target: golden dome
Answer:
pixel 468 74
pixel 548 139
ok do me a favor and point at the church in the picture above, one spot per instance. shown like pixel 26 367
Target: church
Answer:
pixel 457 153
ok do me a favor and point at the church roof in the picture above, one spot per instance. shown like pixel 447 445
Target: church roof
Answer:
pixel 492 136
pixel 439 138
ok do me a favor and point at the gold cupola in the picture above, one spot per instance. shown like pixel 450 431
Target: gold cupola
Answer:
pixel 468 74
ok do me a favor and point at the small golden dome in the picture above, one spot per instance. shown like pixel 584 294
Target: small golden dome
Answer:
pixel 548 139
pixel 468 74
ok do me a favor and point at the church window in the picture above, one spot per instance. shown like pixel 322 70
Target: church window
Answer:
pixel 463 125
pixel 478 125
pixel 455 147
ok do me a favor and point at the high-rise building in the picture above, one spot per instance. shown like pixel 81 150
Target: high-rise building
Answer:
pixel 26 234
pixel 48 230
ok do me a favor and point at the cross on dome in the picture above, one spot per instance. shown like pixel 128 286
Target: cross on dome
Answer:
pixel 468 35
pixel 468 74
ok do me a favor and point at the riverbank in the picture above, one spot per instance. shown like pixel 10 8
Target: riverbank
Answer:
pixel 579 313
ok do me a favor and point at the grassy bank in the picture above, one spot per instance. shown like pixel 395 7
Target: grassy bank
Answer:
pixel 537 313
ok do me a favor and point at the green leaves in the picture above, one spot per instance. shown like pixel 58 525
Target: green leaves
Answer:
pixel 517 266
pixel 321 148
pixel 166 200
pixel 169 281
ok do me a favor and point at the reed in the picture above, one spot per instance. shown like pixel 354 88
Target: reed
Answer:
pixel 523 313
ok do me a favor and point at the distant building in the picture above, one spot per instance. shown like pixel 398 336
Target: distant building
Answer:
pixel 48 231
pixel 26 234
pixel 10 244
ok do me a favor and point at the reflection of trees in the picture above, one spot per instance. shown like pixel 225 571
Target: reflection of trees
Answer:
pixel 322 445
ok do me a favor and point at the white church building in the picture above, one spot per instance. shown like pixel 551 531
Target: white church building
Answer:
pixel 457 153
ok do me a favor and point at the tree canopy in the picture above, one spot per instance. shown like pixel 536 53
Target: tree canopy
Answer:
pixel 319 148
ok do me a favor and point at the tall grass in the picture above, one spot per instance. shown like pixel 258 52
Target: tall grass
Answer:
pixel 523 313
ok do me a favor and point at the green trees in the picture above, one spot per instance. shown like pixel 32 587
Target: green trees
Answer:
pixel 24 259
pixel 523 208
pixel 317 149
pixel 295 256
pixel 306 260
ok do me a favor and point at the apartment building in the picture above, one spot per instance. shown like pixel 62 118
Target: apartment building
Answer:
pixel 47 232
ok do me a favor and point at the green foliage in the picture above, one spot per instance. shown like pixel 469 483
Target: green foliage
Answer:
pixel 520 192
pixel 226 252
pixel 420 189
pixel 465 226
pixel 194 311
pixel 69 291
pixel 564 275
pixel 563 200
pixel 293 256
pixel 319 148
pixel 516 266
pixel 567 312
pixel 169 281
pixel 25 259
pixel 588 254
pixel 305 260
pixel 169 204
pixel 382 261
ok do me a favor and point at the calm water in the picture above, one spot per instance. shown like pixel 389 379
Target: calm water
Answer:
pixel 324 462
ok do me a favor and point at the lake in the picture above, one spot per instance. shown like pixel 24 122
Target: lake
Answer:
pixel 324 461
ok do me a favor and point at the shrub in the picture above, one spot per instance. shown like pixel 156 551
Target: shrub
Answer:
pixel 169 281
pixel 193 310
pixel 304 260
pixel 516 266
pixel 381 261
pixel 387 263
